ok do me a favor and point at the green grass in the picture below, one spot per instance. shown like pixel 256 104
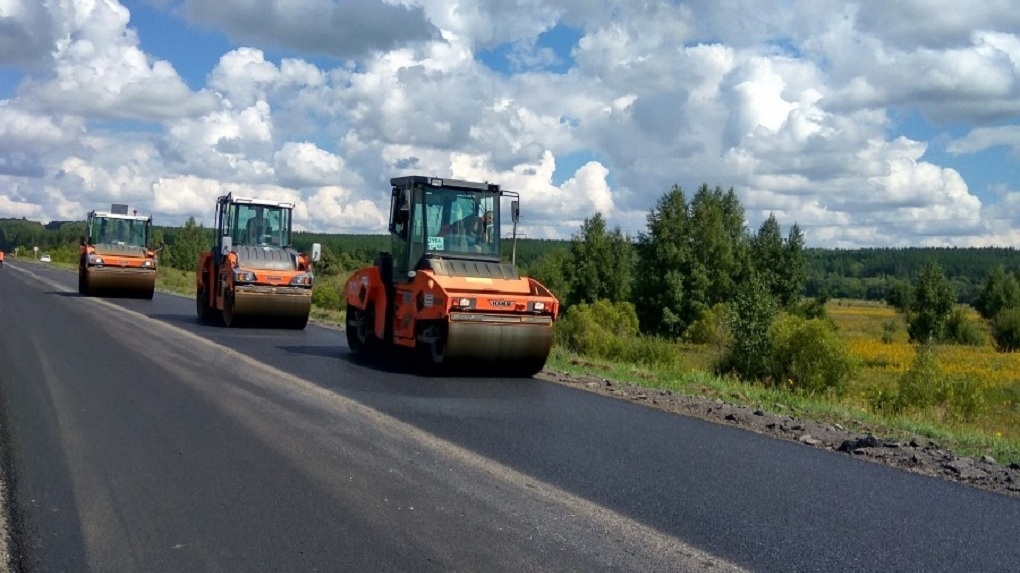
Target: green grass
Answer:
pixel 176 281
pixel 847 413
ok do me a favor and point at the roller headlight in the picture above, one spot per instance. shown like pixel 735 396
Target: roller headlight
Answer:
pixel 147 264
pixel 303 279
pixel 463 302
pixel 95 260
pixel 243 276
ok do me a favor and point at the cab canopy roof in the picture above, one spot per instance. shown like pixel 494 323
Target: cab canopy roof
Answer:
pixel 231 198
pixel 410 180
pixel 109 215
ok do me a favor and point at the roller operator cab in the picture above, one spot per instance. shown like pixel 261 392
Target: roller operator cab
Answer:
pixel 116 255
pixel 253 274
pixel 443 289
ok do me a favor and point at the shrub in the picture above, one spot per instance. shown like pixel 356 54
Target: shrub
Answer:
pixel 1006 330
pixel 812 307
pixel 712 327
pixel 900 295
pixel 645 350
pixel 924 384
pixel 808 356
pixel 966 398
pixel 882 399
pixel 176 280
pixel 1001 291
pixel 610 331
pixel 961 330
pixel 589 328
pixel 925 387
pixel 325 295
pixel 889 329
pixel 754 309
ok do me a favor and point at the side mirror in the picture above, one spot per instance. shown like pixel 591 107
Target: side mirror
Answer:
pixel 226 245
pixel 515 211
pixel 316 252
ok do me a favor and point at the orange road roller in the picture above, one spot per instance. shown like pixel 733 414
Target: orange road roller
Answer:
pixel 253 275
pixel 444 291
pixel 116 255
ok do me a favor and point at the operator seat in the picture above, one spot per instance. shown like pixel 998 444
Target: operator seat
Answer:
pixel 256 231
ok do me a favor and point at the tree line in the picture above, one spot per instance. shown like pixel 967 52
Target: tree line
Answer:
pixel 693 255
pixel 864 274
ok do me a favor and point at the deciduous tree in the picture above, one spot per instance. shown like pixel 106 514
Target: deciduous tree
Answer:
pixel 188 245
pixel 664 260
pixel 600 265
pixel 931 306
pixel 781 264
pixel 718 247
pixel 548 270
pixel 754 309
pixel 1001 291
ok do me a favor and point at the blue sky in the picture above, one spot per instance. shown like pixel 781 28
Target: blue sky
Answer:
pixel 193 50
pixel 859 121
pixel 553 48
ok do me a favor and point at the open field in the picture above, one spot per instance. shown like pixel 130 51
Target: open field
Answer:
pixel 877 336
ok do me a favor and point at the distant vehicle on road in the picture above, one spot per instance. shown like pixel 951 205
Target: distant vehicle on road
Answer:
pixel 45 259
pixel 115 254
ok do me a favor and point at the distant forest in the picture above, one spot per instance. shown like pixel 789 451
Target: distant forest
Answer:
pixel 837 273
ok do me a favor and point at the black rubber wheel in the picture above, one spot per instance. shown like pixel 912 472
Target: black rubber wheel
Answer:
pixel 229 320
pixel 430 348
pixel 202 311
pixel 83 282
pixel 360 337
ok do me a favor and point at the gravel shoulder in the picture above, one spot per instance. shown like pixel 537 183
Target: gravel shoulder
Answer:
pixel 918 454
pixel 5 508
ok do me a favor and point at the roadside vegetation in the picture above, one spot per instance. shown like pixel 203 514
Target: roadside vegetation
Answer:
pixel 701 305
pixel 965 397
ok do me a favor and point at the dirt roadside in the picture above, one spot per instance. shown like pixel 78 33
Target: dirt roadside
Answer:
pixel 916 454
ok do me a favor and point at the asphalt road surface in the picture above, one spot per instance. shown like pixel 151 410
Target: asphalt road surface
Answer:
pixel 138 439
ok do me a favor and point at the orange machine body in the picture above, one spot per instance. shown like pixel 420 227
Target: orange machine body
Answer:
pixel 452 299
pixel 253 273
pixel 115 255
